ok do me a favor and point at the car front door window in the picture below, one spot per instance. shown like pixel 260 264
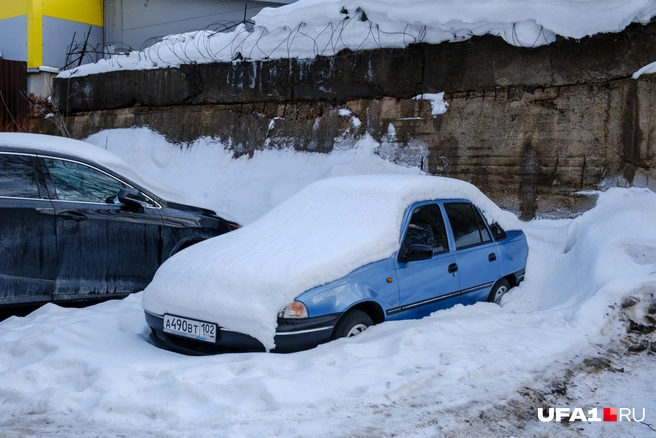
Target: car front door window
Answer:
pixel 80 183
pixel 426 227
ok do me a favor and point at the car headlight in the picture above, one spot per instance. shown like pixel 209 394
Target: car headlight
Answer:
pixel 294 310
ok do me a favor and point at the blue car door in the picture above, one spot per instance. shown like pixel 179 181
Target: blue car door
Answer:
pixel 477 255
pixel 426 285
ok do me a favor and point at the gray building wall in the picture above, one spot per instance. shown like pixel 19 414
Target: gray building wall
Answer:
pixel 13 38
pixel 135 23
pixel 58 35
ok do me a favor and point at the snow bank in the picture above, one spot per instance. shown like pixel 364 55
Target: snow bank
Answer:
pixel 331 227
pixel 601 255
pixel 241 189
pixel 309 28
pixel 91 372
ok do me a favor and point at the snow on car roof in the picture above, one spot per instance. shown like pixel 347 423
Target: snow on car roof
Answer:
pixel 331 227
pixel 88 152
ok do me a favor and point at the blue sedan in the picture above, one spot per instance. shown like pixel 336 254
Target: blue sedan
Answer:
pixel 390 247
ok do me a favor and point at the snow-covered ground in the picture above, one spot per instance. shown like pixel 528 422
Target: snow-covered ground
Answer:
pixel 310 28
pixel 561 339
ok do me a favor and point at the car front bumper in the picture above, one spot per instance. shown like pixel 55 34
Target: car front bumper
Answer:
pixel 291 335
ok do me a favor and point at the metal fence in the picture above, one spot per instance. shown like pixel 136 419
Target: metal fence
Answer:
pixel 14 106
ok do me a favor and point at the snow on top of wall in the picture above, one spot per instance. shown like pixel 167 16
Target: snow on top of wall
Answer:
pixel 309 28
pixel 244 278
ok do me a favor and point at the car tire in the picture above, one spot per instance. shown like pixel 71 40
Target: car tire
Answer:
pixel 352 323
pixel 499 289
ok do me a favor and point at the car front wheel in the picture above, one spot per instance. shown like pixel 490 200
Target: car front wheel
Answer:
pixel 500 288
pixel 351 324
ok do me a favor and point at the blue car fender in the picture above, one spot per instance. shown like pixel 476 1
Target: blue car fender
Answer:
pixel 375 282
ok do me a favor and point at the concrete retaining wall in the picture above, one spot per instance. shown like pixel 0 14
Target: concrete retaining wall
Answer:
pixel 531 127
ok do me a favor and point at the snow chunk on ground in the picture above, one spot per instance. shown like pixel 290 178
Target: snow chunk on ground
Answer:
pixel 438 105
pixel 241 280
pixel 647 69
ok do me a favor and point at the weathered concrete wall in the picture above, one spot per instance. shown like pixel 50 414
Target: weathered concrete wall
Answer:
pixel 531 127
pixel 474 65
pixel 530 151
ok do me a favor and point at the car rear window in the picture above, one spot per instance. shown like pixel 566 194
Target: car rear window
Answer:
pixel 17 177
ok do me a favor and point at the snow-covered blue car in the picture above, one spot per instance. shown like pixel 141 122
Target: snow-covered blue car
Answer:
pixel 342 254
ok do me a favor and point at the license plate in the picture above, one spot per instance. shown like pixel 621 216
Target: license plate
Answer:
pixel 190 328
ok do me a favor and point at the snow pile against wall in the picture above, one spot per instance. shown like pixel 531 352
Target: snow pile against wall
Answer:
pixel 242 188
pixel 307 29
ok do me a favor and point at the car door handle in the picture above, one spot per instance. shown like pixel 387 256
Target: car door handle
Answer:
pixel 492 257
pixel 72 216
pixel 453 268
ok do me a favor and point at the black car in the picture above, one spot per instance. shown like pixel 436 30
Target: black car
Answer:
pixel 75 224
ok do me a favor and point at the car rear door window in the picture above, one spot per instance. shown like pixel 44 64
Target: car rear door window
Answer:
pixel 17 177
pixel 465 224
pixel 485 234
pixel 80 183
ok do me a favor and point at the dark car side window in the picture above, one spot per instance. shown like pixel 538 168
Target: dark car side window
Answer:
pixel 426 227
pixel 80 183
pixel 17 177
pixel 467 225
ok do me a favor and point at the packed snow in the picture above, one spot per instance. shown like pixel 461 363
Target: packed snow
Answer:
pixel 331 227
pixel 438 104
pixel 647 69
pixel 242 188
pixel 308 28
pixel 480 370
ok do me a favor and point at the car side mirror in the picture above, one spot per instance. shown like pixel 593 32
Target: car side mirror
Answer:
pixel 415 253
pixel 132 198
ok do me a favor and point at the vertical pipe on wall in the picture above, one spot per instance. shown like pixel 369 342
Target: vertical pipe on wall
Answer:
pixel 34 33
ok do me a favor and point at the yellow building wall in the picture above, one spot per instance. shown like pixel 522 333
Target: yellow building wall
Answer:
pixel 81 11
pixel 12 8
pixel 34 34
